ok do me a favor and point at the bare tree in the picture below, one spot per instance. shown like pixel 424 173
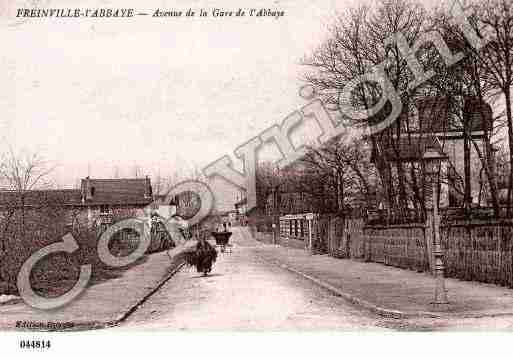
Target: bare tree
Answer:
pixel 137 170
pixel 485 72
pixel 492 23
pixel 22 172
pixel 497 59
pixel 347 163
pixel 269 179
pixel 359 42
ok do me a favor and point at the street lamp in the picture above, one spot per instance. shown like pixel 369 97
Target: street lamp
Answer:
pixel 432 162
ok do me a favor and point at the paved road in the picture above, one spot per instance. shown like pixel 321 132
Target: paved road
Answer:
pixel 244 292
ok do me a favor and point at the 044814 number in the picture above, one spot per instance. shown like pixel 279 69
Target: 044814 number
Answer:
pixel 35 344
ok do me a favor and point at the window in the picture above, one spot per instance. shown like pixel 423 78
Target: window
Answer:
pixel 104 209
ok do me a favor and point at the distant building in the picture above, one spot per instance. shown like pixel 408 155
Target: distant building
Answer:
pixel 97 202
pixel 241 211
pixel 163 206
pixel 227 217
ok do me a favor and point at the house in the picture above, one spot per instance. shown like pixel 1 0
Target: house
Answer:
pixel 241 209
pixel 227 218
pixel 103 200
pixel 294 199
pixel 164 207
pixel 97 202
pixel 433 124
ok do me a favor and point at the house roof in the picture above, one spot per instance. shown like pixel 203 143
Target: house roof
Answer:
pixel 119 191
pixel 36 198
pixel 126 191
pixel 407 149
pixel 435 115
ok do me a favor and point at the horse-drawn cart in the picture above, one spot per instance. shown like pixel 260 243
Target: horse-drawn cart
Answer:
pixel 222 239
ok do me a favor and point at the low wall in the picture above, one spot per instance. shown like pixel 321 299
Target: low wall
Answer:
pixel 267 237
pixel 264 237
pixel 291 242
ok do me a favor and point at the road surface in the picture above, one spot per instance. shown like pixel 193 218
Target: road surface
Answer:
pixel 245 292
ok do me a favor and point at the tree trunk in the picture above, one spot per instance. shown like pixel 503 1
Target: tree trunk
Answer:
pixel 467 199
pixel 486 161
pixel 507 95
pixel 340 192
pixel 403 201
pixel 419 201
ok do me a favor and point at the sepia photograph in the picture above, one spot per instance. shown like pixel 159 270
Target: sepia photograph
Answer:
pixel 320 177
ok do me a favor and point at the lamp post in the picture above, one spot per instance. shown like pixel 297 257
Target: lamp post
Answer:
pixel 432 162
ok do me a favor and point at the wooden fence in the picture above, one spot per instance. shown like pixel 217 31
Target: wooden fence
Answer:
pixel 403 247
pixel 480 252
pixel 472 251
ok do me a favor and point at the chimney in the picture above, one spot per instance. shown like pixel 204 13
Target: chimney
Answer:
pixel 87 189
pixel 147 188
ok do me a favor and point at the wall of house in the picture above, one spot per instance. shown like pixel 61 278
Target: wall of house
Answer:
pixel 454 148
pixel 88 216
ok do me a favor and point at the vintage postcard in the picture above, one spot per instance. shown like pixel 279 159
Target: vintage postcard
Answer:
pixel 171 166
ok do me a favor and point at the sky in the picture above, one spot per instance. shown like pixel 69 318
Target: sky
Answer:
pixel 104 96
pixel 101 97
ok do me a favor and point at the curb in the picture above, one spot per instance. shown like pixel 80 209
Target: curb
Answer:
pixel 162 282
pixel 83 326
pixel 120 319
pixel 384 312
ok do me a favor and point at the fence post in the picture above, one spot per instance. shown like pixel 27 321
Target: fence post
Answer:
pixel 309 218
pixel 367 252
pixel 276 228
pixel 332 243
